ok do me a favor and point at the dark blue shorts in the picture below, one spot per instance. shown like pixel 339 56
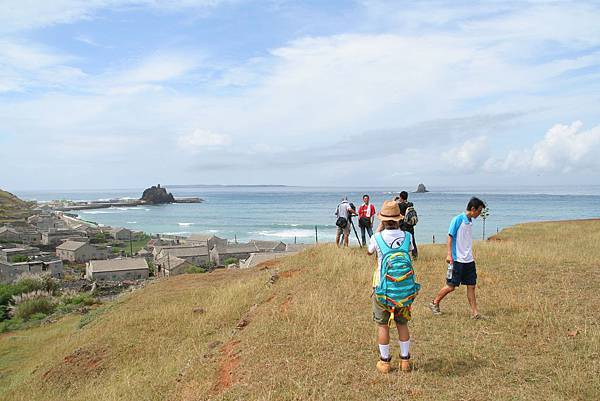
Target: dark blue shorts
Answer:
pixel 463 273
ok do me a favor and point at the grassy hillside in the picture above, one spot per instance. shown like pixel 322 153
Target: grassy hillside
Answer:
pixel 306 333
pixel 12 209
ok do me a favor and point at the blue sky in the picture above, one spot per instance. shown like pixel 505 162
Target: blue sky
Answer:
pixel 127 93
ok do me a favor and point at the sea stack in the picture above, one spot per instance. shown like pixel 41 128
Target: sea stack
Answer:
pixel 156 195
pixel 421 189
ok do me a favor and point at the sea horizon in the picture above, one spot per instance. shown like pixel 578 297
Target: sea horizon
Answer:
pixel 290 213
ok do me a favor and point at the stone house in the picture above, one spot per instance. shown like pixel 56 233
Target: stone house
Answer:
pixel 54 237
pixel 10 272
pixel 269 246
pixel 117 269
pixel 173 266
pixel 30 236
pixel 122 234
pixel 8 254
pixel 206 240
pixel 238 251
pixel 9 234
pixel 46 222
pixel 81 252
pixel 197 255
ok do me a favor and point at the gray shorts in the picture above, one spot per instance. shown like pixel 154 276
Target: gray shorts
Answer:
pixel 345 230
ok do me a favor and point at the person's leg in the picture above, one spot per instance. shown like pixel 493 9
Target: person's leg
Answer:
pixel 346 235
pixel 415 251
pixel 370 230
pixel 404 342
pixel 447 289
pixel 472 300
pixel 362 235
pixel 338 232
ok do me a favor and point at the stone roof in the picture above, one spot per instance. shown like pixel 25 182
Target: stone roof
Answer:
pixel 4 229
pixel 185 251
pixel 237 248
pixel 70 245
pixel 267 245
pixel 118 264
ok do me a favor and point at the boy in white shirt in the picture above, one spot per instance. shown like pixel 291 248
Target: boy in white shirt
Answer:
pixel 460 256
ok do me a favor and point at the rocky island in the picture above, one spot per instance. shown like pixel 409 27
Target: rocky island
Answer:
pixel 155 195
pixel 421 189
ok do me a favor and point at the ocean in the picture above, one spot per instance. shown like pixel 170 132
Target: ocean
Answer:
pixel 291 213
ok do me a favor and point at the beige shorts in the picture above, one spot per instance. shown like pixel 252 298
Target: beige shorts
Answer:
pixel 381 316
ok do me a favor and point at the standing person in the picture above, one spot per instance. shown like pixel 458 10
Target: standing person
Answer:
pixel 394 285
pixel 461 264
pixel 410 219
pixel 343 212
pixel 366 216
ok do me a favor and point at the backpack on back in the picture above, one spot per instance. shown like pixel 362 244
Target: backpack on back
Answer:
pixel 395 287
pixel 410 216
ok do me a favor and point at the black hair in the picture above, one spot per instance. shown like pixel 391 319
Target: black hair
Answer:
pixel 475 203
pixel 366 196
pixel 404 195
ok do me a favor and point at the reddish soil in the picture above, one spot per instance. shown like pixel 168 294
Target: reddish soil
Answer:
pixel 289 273
pixel 81 364
pixel 269 264
pixel 284 307
pixel 228 364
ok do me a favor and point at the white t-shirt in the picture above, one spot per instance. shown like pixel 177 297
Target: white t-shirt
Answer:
pixel 394 238
pixel 461 230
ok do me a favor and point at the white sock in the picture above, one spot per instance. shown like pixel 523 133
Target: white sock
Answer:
pixel 384 351
pixel 404 348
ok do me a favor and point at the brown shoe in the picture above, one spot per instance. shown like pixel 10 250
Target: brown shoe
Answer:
pixel 405 364
pixel 384 366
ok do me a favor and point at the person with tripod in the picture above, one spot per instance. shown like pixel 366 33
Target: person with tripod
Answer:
pixel 344 212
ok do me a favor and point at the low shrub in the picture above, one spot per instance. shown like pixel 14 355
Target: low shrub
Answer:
pixel 195 269
pixel 83 299
pixel 230 261
pixel 11 325
pixel 26 309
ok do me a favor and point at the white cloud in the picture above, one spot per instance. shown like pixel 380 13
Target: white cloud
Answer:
pixel 200 139
pixel 564 149
pixel 468 157
pixel 32 14
pixel 160 67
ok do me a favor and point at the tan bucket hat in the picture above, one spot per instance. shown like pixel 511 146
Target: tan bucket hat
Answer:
pixel 390 211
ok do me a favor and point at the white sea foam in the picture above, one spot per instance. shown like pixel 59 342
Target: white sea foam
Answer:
pixel 213 231
pixel 286 233
pixel 185 224
pixel 177 233
pixel 98 212
pixel 132 222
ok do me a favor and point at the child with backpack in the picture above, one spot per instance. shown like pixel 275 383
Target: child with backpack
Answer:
pixel 461 264
pixel 394 286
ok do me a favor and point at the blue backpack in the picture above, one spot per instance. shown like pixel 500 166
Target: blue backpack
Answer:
pixel 396 286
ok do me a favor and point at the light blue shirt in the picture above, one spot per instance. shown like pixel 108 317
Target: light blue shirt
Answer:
pixel 461 231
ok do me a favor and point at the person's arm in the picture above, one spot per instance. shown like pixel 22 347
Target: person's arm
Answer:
pixel 449 255
pixel 372 214
pixel 372 246
pixel 452 231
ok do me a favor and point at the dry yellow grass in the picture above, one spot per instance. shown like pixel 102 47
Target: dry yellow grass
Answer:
pixel 309 335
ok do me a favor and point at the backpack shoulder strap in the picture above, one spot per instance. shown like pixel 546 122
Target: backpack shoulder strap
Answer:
pixel 407 241
pixel 383 247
